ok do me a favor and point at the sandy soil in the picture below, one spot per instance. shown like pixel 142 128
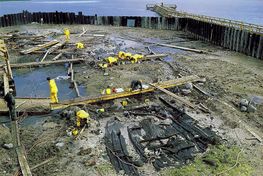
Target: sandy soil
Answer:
pixel 229 77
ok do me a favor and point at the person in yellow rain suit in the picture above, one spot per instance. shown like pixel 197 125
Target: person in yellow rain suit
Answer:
pixel 67 34
pixel 53 90
pixel 128 56
pixel 121 55
pixel 106 91
pixel 135 58
pixel 112 60
pixel 83 118
pixel 80 45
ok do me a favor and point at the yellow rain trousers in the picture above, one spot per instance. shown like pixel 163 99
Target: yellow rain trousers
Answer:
pixel 53 91
pixel 67 34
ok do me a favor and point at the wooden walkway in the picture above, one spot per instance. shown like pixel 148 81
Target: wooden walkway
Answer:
pixel 169 11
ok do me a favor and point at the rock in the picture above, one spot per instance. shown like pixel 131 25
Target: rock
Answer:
pixel 106 74
pixel 90 162
pixel 185 91
pixel 243 102
pixel 60 144
pixel 251 108
pixel 8 146
pixel 85 151
pixel 203 80
pixel 243 109
pixel 50 125
pixel 189 86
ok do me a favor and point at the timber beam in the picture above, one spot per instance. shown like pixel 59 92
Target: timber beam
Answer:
pixel 89 100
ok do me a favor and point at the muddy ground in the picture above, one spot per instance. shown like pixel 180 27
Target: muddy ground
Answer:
pixel 229 76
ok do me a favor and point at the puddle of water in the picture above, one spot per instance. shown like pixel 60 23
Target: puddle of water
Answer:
pixel 33 120
pixel 33 83
pixel 168 59
pixel 166 50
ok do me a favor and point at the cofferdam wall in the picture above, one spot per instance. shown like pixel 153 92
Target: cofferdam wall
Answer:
pixel 243 40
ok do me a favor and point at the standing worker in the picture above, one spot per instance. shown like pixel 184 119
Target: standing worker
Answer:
pixel 67 34
pixel 136 84
pixel 53 90
pixel 10 100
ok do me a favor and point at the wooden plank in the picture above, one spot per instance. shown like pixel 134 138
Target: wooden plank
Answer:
pixel 174 96
pixel 88 100
pixel 19 150
pixel 57 57
pixel 76 88
pixel 180 47
pixel 27 104
pixel 38 47
pixel 154 56
pixel 6 83
pixel 84 31
pixel 36 64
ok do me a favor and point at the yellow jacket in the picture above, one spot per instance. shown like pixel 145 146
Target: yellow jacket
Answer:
pixel 112 60
pixel 128 56
pixel 66 32
pixel 108 91
pixel 82 114
pixel 121 55
pixel 53 86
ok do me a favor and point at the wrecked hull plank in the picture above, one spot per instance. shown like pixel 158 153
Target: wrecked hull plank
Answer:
pixel 89 100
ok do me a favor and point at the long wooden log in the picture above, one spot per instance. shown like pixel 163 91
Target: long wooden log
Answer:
pixel 36 64
pixel 88 100
pixel 57 57
pixel 38 47
pixel 19 150
pixel 180 47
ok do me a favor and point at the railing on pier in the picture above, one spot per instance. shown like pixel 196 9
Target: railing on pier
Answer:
pixel 151 6
pixel 171 12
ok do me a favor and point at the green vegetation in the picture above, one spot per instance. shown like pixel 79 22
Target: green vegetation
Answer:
pixel 105 169
pixel 219 160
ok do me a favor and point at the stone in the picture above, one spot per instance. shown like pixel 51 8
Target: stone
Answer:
pixel 203 80
pixel 243 102
pixel 90 162
pixel 60 144
pixel 106 74
pixel 189 86
pixel 243 109
pixel 186 91
pixel 85 151
pixel 50 125
pixel 8 146
pixel 251 108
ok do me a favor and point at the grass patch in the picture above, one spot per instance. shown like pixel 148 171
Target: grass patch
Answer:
pixel 219 160
pixel 105 169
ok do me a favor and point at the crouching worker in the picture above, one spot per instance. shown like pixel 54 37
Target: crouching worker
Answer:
pixel 10 100
pixel 82 118
pixel 136 84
